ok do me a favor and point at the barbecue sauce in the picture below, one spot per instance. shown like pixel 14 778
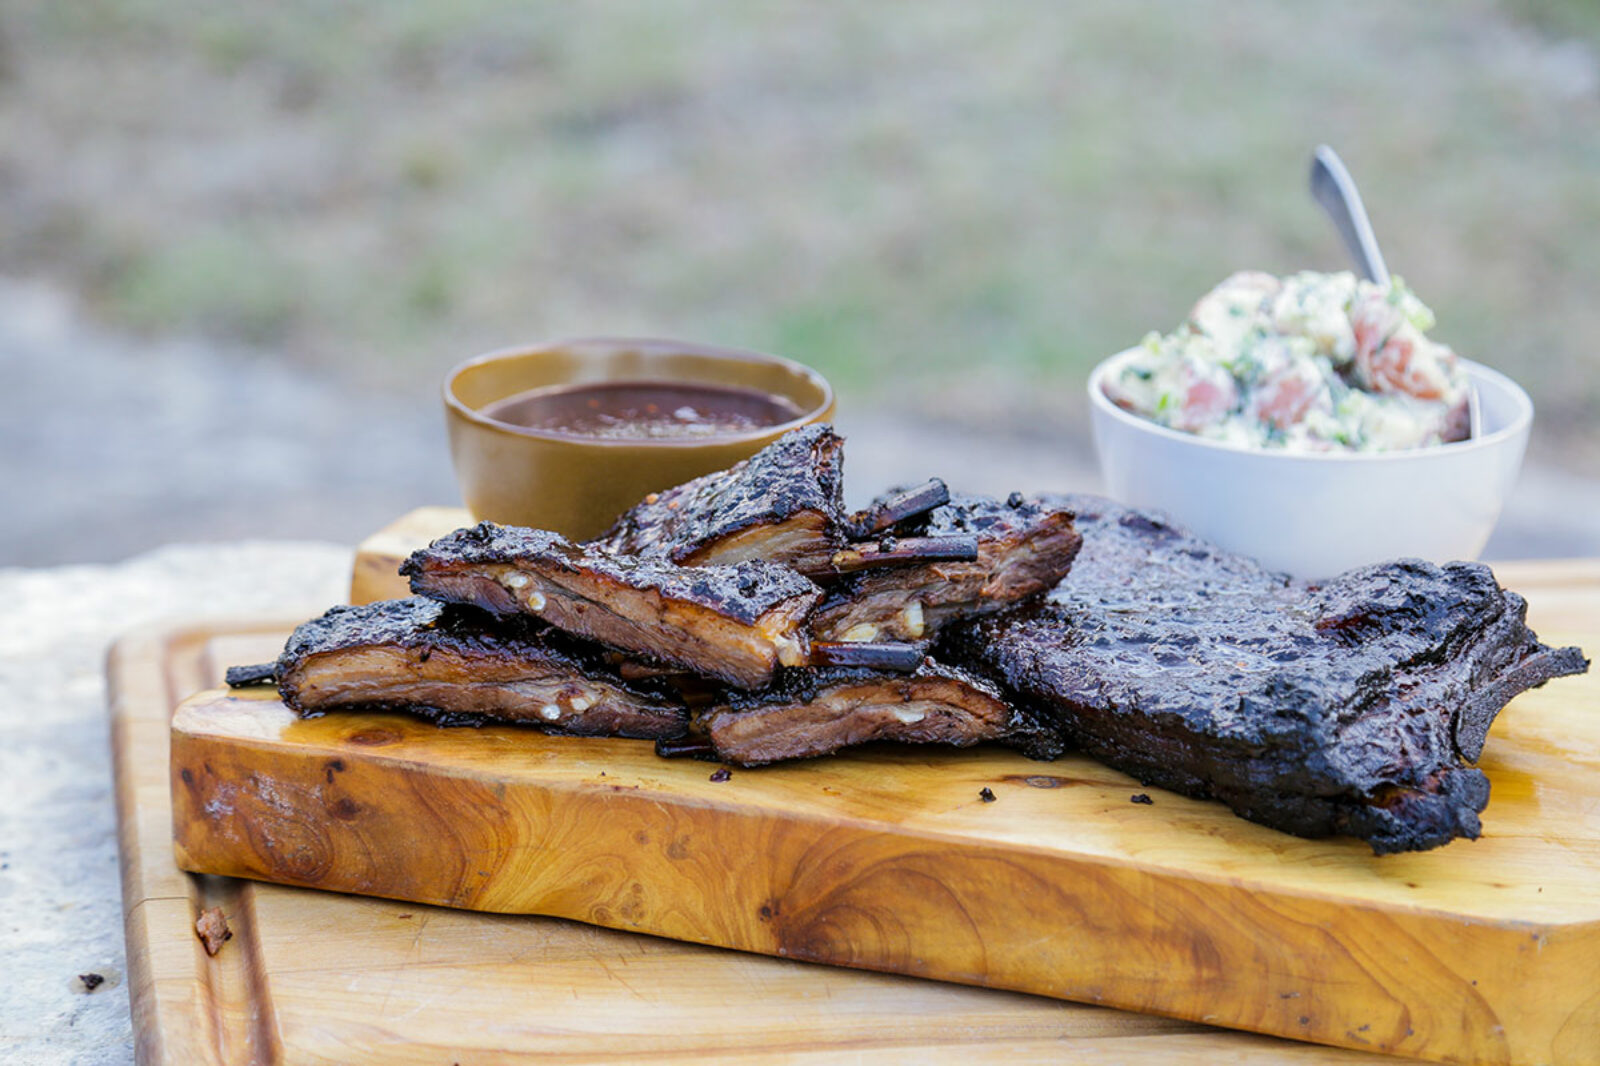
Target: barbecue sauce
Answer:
pixel 643 410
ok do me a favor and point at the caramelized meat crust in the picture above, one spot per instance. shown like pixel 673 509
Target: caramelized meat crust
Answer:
pixel 733 623
pixel 1024 548
pixel 459 664
pixel 816 711
pixel 783 505
pixel 1352 707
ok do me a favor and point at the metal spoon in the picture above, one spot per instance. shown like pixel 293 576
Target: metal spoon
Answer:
pixel 1334 188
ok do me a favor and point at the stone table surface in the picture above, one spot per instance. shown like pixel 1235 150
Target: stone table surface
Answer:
pixel 60 891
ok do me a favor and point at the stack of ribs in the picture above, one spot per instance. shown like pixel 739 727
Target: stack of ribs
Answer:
pixel 745 616
pixel 749 618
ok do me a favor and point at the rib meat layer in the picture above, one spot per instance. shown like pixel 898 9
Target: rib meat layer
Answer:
pixel 460 664
pixel 1024 548
pixel 733 623
pixel 815 711
pixel 783 505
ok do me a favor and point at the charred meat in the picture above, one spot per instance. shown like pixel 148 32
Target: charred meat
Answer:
pixel 816 711
pixel 732 623
pixel 782 505
pixel 458 663
pixel 1024 547
pixel 1354 707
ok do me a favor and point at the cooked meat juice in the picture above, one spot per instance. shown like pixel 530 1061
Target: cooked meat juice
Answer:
pixel 643 410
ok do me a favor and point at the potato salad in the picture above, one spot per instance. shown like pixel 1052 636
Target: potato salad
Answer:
pixel 1311 362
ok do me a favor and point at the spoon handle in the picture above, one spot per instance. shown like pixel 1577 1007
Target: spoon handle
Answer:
pixel 1336 191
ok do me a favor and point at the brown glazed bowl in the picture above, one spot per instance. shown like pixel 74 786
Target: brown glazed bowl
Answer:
pixel 577 486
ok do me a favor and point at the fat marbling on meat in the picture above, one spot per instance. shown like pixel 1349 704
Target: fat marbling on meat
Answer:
pixel 457 663
pixel 735 623
pixel 819 710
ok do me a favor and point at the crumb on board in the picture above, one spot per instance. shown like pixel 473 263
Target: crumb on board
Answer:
pixel 721 774
pixel 1140 797
pixel 986 794
pixel 212 928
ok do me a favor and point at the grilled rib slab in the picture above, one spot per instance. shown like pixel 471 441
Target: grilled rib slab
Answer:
pixel 1024 548
pixel 733 623
pixel 1352 707
pixel 453 662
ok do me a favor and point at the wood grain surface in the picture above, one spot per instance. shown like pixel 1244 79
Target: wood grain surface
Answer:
pixel 886 859
pixel 375 575
pixel 320 977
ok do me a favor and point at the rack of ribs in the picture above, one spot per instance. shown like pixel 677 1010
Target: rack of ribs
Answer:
pixel 815 711
pixel 458 664
pixel 1352 707
pixel 1024 547
pixel 735 623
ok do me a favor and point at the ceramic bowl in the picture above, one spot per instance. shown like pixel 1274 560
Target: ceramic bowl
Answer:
pixel 577 486
pixel 1321 514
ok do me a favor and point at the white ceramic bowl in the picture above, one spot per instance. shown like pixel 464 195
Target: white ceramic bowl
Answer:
pixel 1318 515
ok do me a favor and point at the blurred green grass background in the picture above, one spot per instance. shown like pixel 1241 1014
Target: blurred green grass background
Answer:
pixel 951 207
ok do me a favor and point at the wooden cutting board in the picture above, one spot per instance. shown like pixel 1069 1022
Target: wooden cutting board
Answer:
pixel 887 859
pixel 320 977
